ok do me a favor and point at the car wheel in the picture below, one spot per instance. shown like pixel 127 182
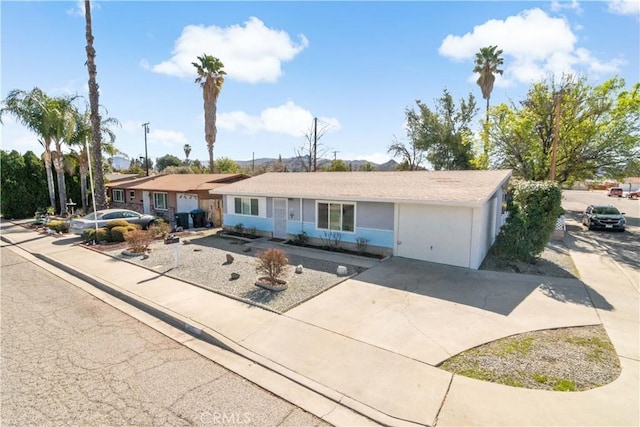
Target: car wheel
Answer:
pixel 149 225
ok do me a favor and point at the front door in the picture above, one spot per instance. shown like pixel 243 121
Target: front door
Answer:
pixel 280 218
pixel 146 202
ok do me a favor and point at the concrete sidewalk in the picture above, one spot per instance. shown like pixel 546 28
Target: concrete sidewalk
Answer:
pixel 392 385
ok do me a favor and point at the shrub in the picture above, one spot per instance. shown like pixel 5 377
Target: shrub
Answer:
pixel 160 228
pixel 273 263
pixel 59 226
pixel 103 235
pixel 117 223
pixel 301 239
pixel 239 228
pixel 533 210
pixel 139 240
pixel 361 244
pixel 118 233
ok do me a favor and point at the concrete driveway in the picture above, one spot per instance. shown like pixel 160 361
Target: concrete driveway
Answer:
pixel 430 312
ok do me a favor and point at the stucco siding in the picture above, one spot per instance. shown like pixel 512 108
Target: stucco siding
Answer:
pixel 248 221
pixel 375 216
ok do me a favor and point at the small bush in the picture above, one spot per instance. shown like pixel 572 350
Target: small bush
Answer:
pixel 103 235
pixel 239 228
pixel 118 233
pixel 88 234
pixel 361 244
pixel 59 226
pixel 139 240
pixel 273 263
pixel 160 228
pixel 252 231
pixel 301 239
pixel 117 223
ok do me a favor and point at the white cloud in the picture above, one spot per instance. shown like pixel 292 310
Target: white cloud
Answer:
pixel 144 64
pixel 535 45
pixel 167 138
pixel 557 5
pixel 78 10
pixel 288 119
pixel 624 7
pixel 251 53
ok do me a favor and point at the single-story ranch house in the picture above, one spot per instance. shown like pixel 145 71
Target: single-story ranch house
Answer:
pixel 167 195
pixel 448 217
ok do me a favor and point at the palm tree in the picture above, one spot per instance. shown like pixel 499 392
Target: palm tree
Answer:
pixel 60 118
pixel 81 135
pixel 487 64
pixel 187 151
pixel 30 110
pixel 100 196
pixel 210 77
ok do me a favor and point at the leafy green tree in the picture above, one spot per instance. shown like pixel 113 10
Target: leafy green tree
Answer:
pixel 226 165
pixel 336 166
pixel 167 160
pixel 366 167
pixel 210 77
pixel 187 151
pixel 23 184
pixel 599 130
pixel 444 133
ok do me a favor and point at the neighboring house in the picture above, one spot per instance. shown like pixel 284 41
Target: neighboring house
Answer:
pixel 448 217
pixel 113 177
pixel 168 195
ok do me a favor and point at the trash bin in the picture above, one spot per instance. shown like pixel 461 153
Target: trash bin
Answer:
pixel 198 217
pixel 182 220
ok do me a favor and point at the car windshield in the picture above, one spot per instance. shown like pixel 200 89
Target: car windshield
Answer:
pixel 91 216
pixel 606 210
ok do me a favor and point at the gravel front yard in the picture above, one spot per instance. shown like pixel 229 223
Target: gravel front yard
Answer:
pixel 202 262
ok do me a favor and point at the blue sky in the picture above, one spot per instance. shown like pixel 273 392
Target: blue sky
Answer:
pixel 355 65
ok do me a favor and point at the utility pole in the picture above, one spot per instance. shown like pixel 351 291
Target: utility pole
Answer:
pixel 146 156
pixel 315 143
pixel 334 155
pixel 557 97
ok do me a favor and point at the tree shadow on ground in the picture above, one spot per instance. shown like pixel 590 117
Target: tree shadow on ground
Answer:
pixel 260 296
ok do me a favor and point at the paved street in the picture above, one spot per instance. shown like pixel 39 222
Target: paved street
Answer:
pixel 68 358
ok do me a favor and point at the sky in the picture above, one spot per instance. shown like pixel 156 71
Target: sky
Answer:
pixel 355 65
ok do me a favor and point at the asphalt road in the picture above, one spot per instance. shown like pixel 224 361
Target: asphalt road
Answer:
pixel 624 248
pixel 70 359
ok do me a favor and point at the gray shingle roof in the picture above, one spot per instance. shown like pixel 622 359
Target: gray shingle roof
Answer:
pixel 464 188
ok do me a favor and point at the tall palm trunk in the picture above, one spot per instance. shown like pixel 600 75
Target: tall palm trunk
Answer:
pixel 58 164
pixel 47 167
pixel 210 109
pixel 100 195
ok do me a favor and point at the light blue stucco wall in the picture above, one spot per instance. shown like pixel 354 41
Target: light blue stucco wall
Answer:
pixel 374 221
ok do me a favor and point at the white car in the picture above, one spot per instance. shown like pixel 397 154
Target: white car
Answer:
pixel 78 225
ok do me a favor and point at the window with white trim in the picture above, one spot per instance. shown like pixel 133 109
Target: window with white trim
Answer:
pixel 336 216
pixel 160 201
pixel 246 206
pixel 132 194
pixel 118 195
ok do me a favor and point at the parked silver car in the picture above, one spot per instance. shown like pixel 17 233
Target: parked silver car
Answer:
pixel 78 225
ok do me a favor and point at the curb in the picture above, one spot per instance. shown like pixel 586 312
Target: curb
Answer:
pixel 213 337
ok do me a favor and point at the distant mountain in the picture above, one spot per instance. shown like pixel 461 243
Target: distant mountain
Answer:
pixel 295 164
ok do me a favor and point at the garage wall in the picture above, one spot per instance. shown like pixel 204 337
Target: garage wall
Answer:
pixel 431 233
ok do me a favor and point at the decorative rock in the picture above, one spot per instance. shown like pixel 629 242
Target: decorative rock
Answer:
pixel 342 270
pixel 197 250
pixel 229 259
pixel 235 276
pixel 186 242
pixel 299 269
pixel 145 255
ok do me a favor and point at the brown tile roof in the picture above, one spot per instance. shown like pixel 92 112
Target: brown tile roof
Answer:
pixel 465 188
pixel 177 182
